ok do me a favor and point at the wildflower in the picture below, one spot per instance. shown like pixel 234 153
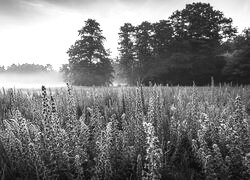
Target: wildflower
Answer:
pixel 173 108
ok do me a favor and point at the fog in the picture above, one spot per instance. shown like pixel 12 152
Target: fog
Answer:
pixel 31 80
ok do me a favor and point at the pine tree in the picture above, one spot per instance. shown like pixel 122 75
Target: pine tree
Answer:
pixel 89 62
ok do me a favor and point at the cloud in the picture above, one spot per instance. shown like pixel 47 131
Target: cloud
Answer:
pixel 10 6
pixel 77 3
pixel 21 12
pixel 20 8
pixel 30 11
pixel 25 7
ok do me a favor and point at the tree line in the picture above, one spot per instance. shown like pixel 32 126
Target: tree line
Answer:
pixel 192 45
pixel 26 68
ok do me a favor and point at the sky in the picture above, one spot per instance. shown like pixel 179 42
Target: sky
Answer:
pixel 41 31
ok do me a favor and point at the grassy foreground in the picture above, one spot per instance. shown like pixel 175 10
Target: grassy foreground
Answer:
pixel 125 133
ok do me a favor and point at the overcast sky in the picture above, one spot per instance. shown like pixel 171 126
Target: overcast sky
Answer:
pixel 41 31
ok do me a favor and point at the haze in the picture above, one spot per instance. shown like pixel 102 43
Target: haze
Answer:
pixel 31 80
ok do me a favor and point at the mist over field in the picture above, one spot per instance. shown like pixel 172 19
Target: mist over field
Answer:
pixel 31 80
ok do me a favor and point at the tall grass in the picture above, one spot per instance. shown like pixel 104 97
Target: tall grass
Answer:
pixel 125 133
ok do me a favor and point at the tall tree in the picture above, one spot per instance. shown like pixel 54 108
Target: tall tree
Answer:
pixel 89 62
pixel 199 31
pixel 162 38
pixel 144 50
pixel 201 21
pixel 127 53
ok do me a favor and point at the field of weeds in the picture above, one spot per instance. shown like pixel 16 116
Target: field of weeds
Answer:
pixel 125 133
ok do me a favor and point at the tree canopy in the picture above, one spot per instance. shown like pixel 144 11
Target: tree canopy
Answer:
pixel 186 48
pixel 89 62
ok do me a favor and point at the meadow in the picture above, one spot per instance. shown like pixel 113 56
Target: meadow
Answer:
pixel 116 133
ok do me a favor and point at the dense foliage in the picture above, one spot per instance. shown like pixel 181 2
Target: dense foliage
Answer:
pixel 237 68
pixel 125 133
pixel 89 63
pixel 192 45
